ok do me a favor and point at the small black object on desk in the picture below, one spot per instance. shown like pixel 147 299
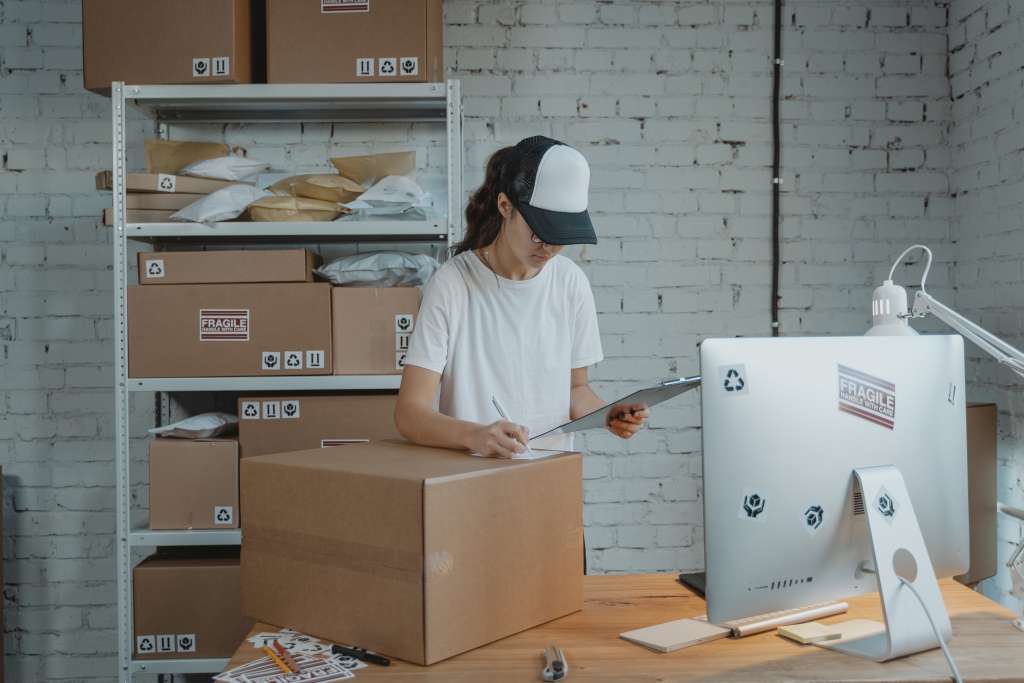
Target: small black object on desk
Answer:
pixel 360 653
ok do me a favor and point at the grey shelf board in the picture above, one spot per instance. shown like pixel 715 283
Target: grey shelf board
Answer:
pixel 150 538
pixel 291 102
pixel 179 666
pixel 354 230
pixel 268 383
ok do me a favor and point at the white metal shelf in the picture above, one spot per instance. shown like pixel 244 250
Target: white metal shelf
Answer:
pixel 344 230
pixel 179 666
pixel 169 104
pixel 291 102
pixel 267 383
pixel 193 537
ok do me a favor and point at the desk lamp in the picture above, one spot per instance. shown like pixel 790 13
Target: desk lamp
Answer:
pixel 889 316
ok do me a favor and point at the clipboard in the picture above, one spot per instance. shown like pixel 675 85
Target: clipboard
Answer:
pixel 652 396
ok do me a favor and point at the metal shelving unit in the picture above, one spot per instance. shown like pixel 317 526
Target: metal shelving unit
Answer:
pixel 168 104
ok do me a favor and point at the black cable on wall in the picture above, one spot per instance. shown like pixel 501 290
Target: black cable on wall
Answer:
pixel 776 169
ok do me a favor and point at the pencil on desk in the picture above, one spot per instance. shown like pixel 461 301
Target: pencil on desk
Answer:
pixel 277 660
pixel 287 657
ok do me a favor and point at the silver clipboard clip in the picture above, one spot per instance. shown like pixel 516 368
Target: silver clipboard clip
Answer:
pixel 555 666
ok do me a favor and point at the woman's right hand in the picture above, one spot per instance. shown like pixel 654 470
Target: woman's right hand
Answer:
pixel 501 439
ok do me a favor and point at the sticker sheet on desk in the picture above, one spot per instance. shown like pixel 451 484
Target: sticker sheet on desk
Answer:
pixel 314 669
pixel 312 655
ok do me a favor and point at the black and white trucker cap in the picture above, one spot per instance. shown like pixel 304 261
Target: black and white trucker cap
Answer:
pixel 551 189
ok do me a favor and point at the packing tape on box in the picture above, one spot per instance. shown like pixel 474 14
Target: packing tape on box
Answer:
pixel 400 565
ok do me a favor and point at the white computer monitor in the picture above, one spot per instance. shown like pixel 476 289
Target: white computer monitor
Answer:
pixel 785 422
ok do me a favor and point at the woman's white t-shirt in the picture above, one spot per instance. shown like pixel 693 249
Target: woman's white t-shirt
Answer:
pixel 515 340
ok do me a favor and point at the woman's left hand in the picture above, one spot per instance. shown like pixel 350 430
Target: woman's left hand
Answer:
pixel 628 419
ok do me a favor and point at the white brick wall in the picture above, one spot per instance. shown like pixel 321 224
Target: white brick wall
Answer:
pixel 668 100
pixel 986 41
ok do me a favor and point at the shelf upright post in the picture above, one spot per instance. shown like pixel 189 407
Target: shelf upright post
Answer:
pixel 122 440
pixel 453 119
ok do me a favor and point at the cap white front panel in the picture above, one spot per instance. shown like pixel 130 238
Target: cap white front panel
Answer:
pixel 563 180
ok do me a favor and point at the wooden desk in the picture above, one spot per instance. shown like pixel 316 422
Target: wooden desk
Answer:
pixel 985 644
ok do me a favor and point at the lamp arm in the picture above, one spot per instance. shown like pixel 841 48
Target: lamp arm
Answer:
pixel 925 303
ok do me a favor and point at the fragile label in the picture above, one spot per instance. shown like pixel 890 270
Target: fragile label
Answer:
pixel 404 322
pixel 328 443
pixel 223 514
pixel 333 6
pixel 290 410
pixel 186 642
pixel 270 360
pixel 223 324
pixel 155 268
pixel 166 182
pixel 867 397
pixel 410 66
pixel 200 67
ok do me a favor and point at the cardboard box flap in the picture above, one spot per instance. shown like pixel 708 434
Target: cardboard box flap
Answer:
pixel 392 459
pixel 467 564
pixel 198 562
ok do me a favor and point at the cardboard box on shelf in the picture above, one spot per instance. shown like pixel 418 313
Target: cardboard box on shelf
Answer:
pixel 171 156
pixel 163 182
pixel 227 266
pixel 372 328
pixel 188 606
pixel 353 41
pixel 229 330
pixel 426 552
pixel 139 216
pixel 162 201
pixel 278 424
pixel 151 42
pixel 193 484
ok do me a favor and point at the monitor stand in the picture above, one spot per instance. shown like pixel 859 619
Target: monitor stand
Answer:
pixel 898 550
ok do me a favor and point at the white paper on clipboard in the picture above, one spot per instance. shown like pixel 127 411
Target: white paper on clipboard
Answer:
pixel 651 396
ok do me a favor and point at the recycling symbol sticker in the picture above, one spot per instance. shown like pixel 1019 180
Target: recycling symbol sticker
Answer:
pixel 293 360
pixel 166 183
pixel 733 379
pixel 155 268
pixel 145 644
pixel 223 514
pixel 388 66
pixel 250 410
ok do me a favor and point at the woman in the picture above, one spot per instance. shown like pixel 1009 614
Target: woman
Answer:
pixel 507 324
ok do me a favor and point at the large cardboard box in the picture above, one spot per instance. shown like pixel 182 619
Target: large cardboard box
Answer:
pixel 372 328
pixel 228 266
pixel 354 41
pixel 187 605
pixel 278 424
pixel 418 553
pixel 151 42
pixel 229 330
pixel 193 484
pixel 982 499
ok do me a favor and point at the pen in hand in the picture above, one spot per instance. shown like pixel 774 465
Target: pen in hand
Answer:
pixel 504 416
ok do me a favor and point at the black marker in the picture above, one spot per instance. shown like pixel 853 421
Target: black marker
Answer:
pixel 360 653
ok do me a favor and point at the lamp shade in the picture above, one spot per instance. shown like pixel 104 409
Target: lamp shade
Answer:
pixel 889 316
